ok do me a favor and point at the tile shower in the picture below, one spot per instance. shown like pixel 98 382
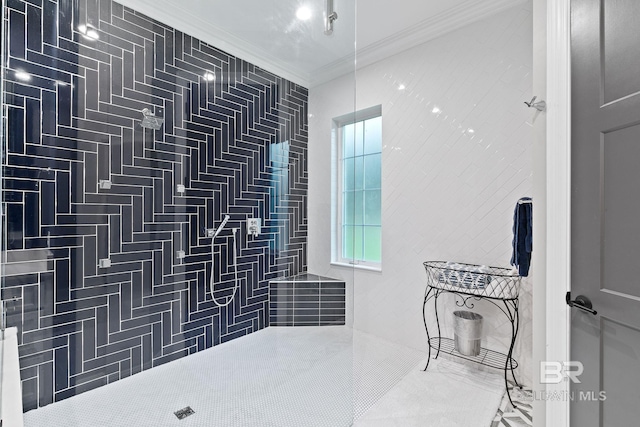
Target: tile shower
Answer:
pixel 234 135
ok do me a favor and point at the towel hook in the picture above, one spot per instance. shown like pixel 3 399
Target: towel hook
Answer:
pixel 540 105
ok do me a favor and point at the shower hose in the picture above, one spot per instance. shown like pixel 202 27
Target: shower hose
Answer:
pixel 235 269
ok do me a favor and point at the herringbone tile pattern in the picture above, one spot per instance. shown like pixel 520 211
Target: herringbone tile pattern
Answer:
pixel 521 415
pixel 235 136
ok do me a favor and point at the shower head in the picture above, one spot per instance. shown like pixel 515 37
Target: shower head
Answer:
pixel 150 121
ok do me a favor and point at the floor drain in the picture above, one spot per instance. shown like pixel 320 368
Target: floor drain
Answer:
pixel 184 412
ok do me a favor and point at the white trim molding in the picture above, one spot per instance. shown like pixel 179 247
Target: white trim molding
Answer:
pixel 558 213
pixel 197 26
pixel 428 29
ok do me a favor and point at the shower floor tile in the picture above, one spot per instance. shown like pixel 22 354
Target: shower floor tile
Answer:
pixel 276 377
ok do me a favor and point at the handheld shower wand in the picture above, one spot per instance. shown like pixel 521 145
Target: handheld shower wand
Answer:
pixel 222 224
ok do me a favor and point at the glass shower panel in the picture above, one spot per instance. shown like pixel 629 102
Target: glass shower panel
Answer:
pixel 157 176
pixel 3 47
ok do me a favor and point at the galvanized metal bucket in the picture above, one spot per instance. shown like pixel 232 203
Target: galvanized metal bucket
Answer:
pixel 467 330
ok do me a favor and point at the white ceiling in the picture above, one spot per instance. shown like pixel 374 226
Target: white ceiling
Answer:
pixel 268 34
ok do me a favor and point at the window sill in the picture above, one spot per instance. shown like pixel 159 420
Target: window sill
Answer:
pixel 357 266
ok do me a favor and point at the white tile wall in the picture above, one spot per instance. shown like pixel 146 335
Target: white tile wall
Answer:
pixel 448 192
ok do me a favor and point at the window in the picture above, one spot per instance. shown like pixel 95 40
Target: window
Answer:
pixel 357 202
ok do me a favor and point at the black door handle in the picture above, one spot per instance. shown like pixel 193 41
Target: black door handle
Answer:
pixel 581 302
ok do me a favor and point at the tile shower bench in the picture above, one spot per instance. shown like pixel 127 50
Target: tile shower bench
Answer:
pixel 306 300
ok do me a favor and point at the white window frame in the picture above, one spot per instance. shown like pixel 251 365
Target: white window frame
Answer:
pixel 336 189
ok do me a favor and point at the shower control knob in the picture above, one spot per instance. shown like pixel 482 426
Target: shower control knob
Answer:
pixel 254 226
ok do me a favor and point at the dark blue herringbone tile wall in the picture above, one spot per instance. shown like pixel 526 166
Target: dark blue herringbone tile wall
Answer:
pixel 237 143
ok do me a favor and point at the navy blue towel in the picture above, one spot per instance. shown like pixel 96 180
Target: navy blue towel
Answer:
pixel 522 236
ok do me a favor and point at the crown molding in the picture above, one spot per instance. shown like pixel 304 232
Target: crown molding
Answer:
pixel 452 19
pixel 428 29
pixel 196 26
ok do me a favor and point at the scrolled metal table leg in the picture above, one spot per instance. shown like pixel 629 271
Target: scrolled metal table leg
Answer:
pixel 426 328
pixel 435 305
